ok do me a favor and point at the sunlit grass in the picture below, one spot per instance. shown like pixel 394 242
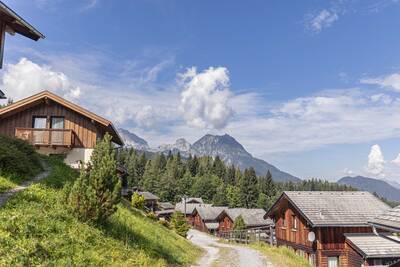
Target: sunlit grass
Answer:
pixel 37 229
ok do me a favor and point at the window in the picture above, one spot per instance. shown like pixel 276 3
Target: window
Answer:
pixel 294 222
pixel 333 261
pixel 284 223
pixel 57 123
pixel 39 122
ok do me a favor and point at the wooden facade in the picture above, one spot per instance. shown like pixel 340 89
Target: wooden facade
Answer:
pixel 292 230
pixel 56 126
pixel 225 223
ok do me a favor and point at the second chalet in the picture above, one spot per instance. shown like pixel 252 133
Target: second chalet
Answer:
pixel 56 126
pixel 315 224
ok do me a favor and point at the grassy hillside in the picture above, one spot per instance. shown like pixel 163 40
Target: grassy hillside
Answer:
pixel 37 229
pixel 18 162
pixel 281 256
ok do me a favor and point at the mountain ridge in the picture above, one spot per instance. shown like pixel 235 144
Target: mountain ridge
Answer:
pixel 381 187
pixel 225 146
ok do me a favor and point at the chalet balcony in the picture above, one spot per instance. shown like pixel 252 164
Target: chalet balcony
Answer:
pixel 47 137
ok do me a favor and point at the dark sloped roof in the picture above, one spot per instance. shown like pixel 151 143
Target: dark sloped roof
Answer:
pixel 251 217
pixel 334 208
pixel 373 246
pixel 190 207
pixel 209 213
pixel 193 200
pixel 17 24
pixel 389 220
pixel 166 205
pixel 148 195
pixel 2 95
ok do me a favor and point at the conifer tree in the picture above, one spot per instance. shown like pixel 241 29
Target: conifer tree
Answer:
pixel 239 223
pixel 233 196
pixel 96 192
pixel 248 185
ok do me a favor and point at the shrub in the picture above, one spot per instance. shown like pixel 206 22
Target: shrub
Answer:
pixel 164 223
pixel 239 223
pixel 137 201
pixel 96 192
pixel 18 158
pixel 179 223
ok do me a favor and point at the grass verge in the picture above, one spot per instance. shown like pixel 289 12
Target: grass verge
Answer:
pixel 281 256
pixel 37 229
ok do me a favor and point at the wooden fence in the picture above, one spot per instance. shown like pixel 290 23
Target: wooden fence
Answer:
pixel 262 234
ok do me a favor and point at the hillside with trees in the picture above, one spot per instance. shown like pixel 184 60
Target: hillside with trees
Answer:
pixel 172 177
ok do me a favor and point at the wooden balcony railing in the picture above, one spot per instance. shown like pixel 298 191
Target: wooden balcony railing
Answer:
pixel 46 137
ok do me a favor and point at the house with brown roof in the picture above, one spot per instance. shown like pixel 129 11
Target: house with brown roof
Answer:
pixel 314 224
pixel 188 208
pixel 253 218
pixel 56 126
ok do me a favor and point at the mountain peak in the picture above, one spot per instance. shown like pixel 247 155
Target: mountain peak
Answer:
pixel 132 140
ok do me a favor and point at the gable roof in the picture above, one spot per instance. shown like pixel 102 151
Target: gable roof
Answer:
pixel 190 207
pixel 389 220
pixel 209 213
pixel 17 24
pixel 334 208
pixel 45 95
pixel 251 217
pixel 375 246
pixel 148 195
pixel 193 200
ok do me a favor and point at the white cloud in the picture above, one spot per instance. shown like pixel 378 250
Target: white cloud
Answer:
pixel 324 19
pixel 376 162
pixel 205 96
pixel 391 81
pixel 348 172
pixel 26 78
pixel 396 161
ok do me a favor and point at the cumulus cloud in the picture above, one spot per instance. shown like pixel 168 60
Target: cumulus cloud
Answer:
pixel 325 18
pixel 26 78
pixel 391 81
pixel 205 97
pixel 376 161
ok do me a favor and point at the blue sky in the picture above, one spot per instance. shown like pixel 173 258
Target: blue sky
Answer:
pixel 310 86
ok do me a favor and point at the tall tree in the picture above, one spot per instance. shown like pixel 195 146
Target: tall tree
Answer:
pixel 249 188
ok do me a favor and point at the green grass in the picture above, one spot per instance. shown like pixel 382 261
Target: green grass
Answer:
pixel 37 229
pixel 281 256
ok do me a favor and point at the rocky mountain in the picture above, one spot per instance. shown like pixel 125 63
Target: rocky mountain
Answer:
pixel 382 188
pixel 132 140
pixel 224 146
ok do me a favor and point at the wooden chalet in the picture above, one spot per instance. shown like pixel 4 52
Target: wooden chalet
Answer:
pixel 206 218
pixel 56 126
pixel 253 218
pixel 150 200
pixel 314 224
pixel 188 208
pixel 372 249
pixel 12 23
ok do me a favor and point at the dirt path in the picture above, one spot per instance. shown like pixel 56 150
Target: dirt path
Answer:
pixel 220 254
pixel 5 196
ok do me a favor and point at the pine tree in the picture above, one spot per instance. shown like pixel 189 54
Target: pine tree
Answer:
pixel 248 185
pixel 179 223
pixel 233 196
pixel 97 191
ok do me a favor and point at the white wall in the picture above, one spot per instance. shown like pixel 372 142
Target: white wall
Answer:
pixel 77 156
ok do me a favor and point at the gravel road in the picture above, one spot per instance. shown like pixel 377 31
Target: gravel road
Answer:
pixel 221 254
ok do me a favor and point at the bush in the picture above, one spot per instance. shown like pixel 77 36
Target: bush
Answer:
pixel 96 192
pixel 179 223
pixel 137 201
pixel 18 158
pixel 239 223
pixel 164 223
